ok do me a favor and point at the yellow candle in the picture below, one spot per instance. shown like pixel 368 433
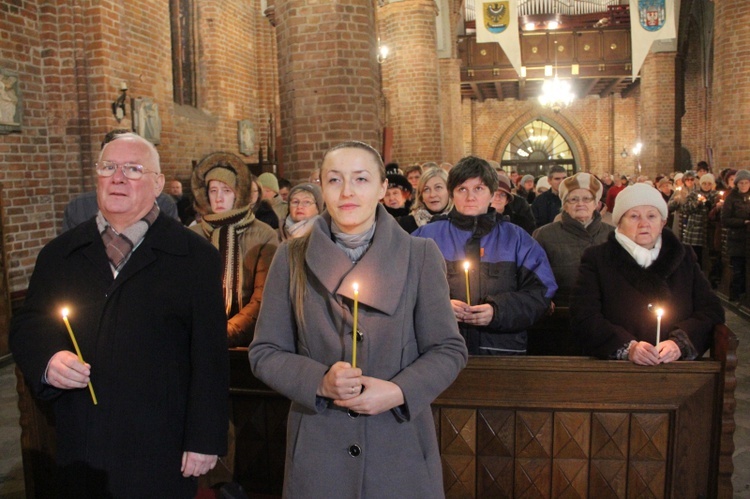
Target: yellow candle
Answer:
pixel 659 313
pixel 78 350
pixel 354 329
pixel 466 272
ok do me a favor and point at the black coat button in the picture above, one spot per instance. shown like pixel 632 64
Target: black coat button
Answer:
pixel 359 335
pixel 352 414
pixel 355 450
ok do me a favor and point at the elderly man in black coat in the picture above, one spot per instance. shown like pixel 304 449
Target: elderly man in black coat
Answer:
pixel 147 310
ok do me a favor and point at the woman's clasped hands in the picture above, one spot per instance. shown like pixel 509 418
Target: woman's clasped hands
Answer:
pixel 348 388
pixel 646 354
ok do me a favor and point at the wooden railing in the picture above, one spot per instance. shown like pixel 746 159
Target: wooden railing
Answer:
pixel 512 427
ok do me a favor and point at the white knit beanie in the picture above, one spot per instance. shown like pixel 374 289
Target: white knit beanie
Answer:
pixel 708 178
pixel 638 195
pixel 741 175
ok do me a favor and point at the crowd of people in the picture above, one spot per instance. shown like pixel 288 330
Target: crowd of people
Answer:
pixel 359 294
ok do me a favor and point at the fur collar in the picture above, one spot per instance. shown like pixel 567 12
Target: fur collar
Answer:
pixel 652 281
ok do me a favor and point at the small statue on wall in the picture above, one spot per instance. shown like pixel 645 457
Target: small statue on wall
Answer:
pixel 10 102
pixel 246 137
pixel 146 119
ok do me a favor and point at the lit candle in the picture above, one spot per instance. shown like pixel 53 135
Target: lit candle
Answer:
pixel 78 350
pixel 659 313
pixel 354 330
pixel 466 272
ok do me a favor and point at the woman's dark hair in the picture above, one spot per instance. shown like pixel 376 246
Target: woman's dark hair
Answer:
pixel 472 167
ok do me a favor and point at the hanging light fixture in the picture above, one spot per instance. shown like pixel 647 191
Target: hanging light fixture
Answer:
pixel 556 93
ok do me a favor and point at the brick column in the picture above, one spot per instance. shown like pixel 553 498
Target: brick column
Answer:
pixel 328 79
pixel 659 124
pixel 731 85
pixel 411 81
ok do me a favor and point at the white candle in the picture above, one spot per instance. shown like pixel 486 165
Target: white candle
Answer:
pixel 659 313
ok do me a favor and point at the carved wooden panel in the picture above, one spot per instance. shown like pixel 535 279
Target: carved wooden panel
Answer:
pixel 565 48
pixel 609 454
pixel 588 46
pixel 483 54
pixel 533 454
pixel 570 454
pixel 534 49
pixel 616 46
pixel 458 449
pixel 649 435
pixel 495 452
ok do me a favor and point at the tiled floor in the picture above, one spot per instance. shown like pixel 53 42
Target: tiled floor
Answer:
pixel 11 471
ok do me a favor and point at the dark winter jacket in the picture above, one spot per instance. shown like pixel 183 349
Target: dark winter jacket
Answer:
pixel 612 294
pixel 564 242
pixel 546 207
pixel 518 212
pixel 155 339
pixel 508 270
pixel 734 214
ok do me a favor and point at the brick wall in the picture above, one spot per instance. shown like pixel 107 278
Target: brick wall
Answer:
pixel 489 126
pixel 328 82
pixel 658 110
pixel 450 110
pixel 731 107
pixel 694 124
pixel 411 83
pixel 72 55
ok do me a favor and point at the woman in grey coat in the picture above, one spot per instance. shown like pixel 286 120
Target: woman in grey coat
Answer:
pixel 364 431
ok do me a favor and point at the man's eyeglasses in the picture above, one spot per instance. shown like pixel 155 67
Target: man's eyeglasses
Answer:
pixel 303 204
pixel 576 200
pixel 131 171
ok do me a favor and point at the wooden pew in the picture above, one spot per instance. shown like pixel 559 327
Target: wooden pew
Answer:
pixel 516 426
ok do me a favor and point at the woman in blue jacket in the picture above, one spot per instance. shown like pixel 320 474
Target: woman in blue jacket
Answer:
pixel 510 279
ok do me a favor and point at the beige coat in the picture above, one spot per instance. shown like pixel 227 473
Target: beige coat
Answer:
pixel 410 337
pixel 257 246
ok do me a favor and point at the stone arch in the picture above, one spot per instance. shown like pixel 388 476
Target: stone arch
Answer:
pixel 572 133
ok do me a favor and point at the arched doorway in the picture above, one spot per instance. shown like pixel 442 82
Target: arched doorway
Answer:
pixel 535 147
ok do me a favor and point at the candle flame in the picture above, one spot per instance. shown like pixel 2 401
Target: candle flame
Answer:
pixel 466 266
pixel 356 287
pixel 65 312
pixel 659 312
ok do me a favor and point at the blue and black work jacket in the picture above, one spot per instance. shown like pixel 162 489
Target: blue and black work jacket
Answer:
pixel 507 269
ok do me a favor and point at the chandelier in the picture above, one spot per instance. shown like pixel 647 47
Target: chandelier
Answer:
pixel 556 93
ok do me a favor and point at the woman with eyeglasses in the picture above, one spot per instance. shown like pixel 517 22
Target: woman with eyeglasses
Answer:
pixel 580 226
pixel 221 186
pixel 305 203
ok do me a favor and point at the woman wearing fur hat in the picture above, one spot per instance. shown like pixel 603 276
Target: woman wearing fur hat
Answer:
pixel 579 227
pixel 221 186
pixel 735 216
pixel 432 199
pixel 305 203
pixel 697 205
pixel 640 269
